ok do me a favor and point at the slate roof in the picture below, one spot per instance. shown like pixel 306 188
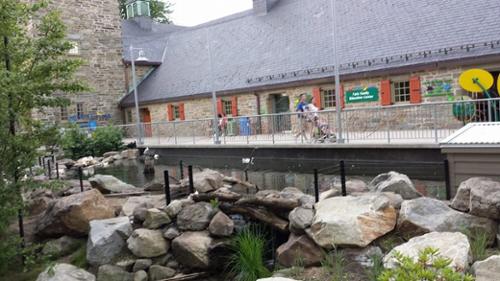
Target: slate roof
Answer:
pixel 249 51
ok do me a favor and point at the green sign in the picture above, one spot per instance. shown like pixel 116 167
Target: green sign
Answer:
pixel 362 95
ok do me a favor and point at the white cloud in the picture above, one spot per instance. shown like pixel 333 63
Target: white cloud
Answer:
pixel 194 12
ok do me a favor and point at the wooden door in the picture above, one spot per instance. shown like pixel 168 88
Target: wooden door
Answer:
pixel 146 120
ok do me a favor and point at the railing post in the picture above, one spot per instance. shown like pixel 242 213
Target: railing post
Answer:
pixel 447 179
pixel 175 133
pixel 191 183
pixel 342 178
pixel 316 186
pixel 490 109
pixel 246 175
pixel 301 129
pixel 167 187
pixel 434 118
pixel 388 134
pixel 194 132
pixel 181 169
pixel 43 165
pixel 272 127
pixel 57 170
pixel 49 169
pixel 80 176
pixel 40 161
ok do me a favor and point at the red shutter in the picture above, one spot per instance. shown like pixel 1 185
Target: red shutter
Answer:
pixel 170 112
pixel 234 106
pixel 342 98
pixel 415 90
pixel 220 110
pixel 182 113
pixel 385 93
pixel 317 97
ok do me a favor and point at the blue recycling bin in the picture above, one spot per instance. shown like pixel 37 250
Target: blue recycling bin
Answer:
pixel 244 126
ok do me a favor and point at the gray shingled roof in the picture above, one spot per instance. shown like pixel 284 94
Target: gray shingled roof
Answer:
pixel 297 35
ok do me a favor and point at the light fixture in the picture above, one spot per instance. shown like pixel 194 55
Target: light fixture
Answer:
pixel 142 56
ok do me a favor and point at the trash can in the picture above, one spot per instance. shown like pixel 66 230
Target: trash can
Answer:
pixel 244 126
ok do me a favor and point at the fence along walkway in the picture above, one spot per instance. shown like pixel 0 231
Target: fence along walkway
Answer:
pixel 426 123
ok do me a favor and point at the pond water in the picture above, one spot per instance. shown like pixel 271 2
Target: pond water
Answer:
pixel 131 171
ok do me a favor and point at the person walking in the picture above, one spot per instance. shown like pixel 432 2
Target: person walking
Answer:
pixel 302 127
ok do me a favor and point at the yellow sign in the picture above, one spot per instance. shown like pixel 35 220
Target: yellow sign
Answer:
pixel 498 84
pixel 476 80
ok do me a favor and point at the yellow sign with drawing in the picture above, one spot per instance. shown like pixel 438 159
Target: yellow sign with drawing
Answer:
pixel 476 80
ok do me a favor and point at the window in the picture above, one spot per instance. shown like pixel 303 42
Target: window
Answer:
pixel 129 116
pixel 64 113
pixel 328 98
pixel 227 107
pixel 79 110
pixel 177 112
pixel 401 91
pixel 75 50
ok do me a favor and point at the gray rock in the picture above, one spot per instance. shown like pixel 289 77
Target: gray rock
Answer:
pixel 206 181
pixel 277 279
pixel 352 186
pixel 480 197
pixel 171 233
pixel 299 248
pixel 146 243
pixel 195 217
pixel 221 225
pixel 65 272
pixel 362 258
pixel 173 264
pixel 300 218
pixel 142 264
pixel 72 215
pixel 61 247
pixel 395 182
pixel 113 273
pixel 154 186
pixel 192 249
pixel 132 153
pixel 110 154
pixel 107 239
pixel 140 211
pixel 174 208
pixel 109 184
pixel 141 275
pixel 352 220
pixel 452 245
pixel 126 262
pixel 487 270
pixel 423 215
pixel 158 272
pixel 153 201
pixel 155 219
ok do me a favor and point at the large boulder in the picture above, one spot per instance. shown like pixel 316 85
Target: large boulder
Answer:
pixel 300 219
pixel 65 272
pixel 146 243
pixel 423 215
pixel 452 245
pixel 62 246
pixel 153 201
pixel 192 249
pixel 352 220
pixel 72 215
pixel 352 186
pixel 195 217
pixel 113 273
pixel 206 181
pixel 174 208
pixel 107 239
pixel 480 197
pixel 394 182
pixel 221 225
pixel 109 184
pixel 299 249
pixel 155 219
pixel 487 270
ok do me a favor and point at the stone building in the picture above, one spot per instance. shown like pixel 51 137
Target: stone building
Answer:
pixel 392 52
pixel 94 27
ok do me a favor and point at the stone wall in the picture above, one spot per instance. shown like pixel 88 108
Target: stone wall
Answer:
pixel 95 27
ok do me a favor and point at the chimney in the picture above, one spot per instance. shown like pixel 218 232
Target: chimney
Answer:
pixel 262 7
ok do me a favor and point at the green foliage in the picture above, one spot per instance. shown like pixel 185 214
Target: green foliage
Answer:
pixel 429 266
pixel 79 258
pixel 377 267
pixel 77 143
pixel 215 203
pixel 106 139
pixel 247 261
pixel 160 10
pixel 478 243
pixel 334 263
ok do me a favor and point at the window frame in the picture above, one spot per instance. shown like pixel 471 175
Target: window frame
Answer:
pixel 227 107
pixel 331 102
pixel 63 113
pixel 80 110
pixel 176 111
pixel 397 89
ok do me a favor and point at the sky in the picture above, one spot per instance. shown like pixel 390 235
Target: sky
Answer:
pixel 194 12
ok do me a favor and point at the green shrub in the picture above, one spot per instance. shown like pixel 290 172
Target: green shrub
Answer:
pixel 335 264
pixel 76 143
pixel 478 243
pixel 429 266
pixel 377 267
pixel 247 261
pixel 106 139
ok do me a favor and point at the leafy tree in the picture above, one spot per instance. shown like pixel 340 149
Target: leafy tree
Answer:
pixel 160 10
pixel 34 69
